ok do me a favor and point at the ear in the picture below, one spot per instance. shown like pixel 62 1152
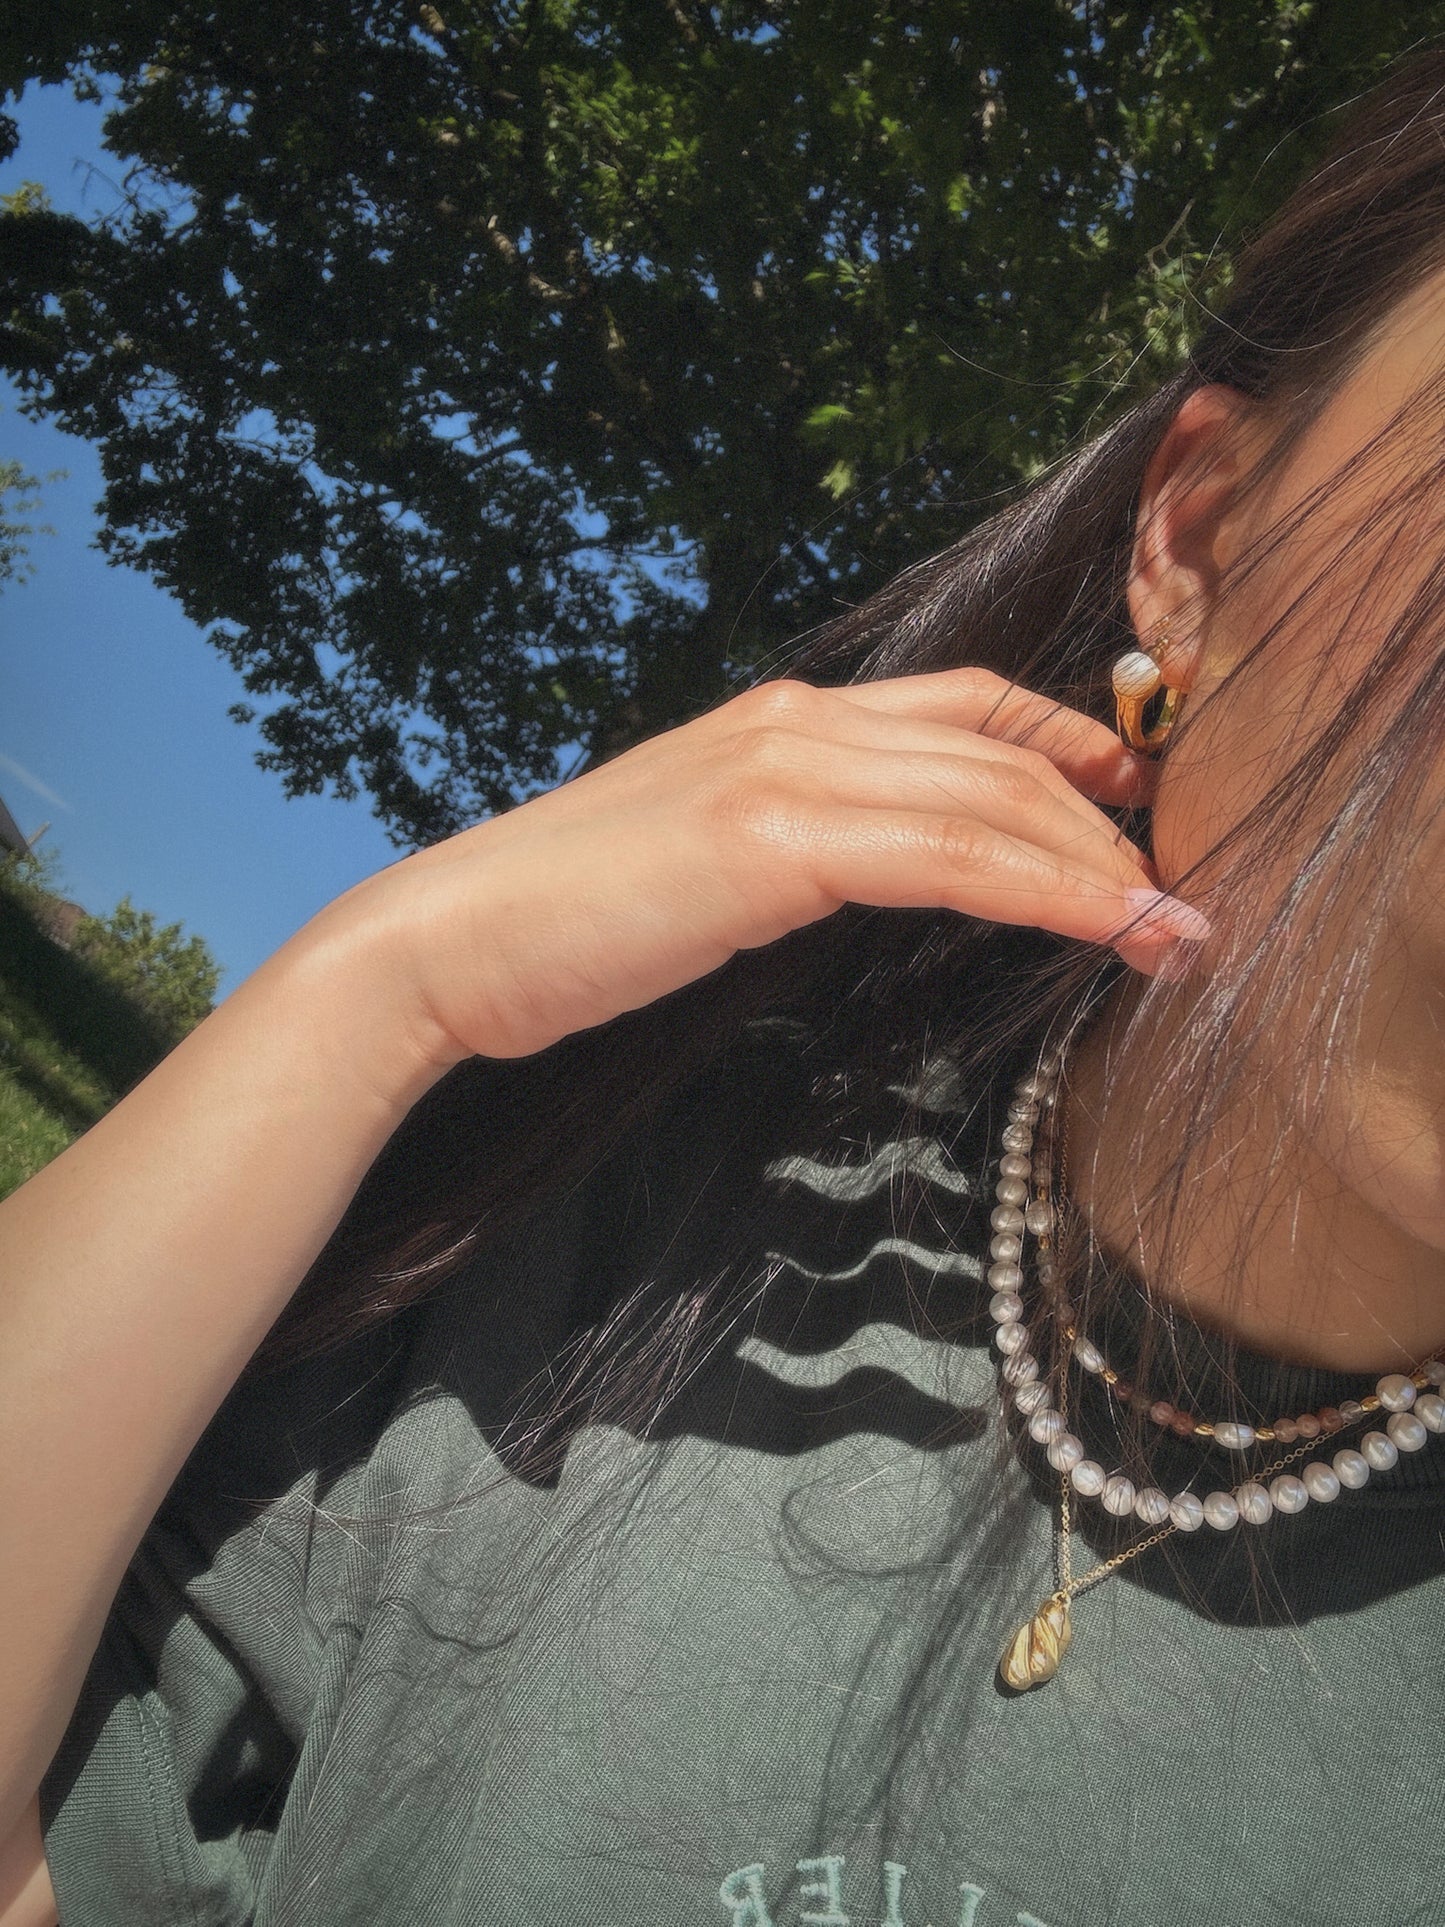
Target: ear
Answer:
pixel 1183 537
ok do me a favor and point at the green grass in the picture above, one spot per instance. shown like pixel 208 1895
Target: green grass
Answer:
pixel 30 1136
pixel 35 1059
pixel 70 1043
pixel 47 1095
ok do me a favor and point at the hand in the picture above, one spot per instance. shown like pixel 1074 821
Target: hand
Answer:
pixel 761 816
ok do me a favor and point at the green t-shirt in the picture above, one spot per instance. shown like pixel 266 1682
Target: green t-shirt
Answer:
pixel 390 1654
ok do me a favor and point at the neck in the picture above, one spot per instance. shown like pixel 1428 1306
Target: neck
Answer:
pixel 1313 1264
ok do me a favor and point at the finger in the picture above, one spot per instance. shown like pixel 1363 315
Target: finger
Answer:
pixel 904 738
pixel 898 859
pixel 1088 752
pixel 991 789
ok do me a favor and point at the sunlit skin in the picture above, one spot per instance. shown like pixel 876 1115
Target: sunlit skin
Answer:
pixel 1346 1265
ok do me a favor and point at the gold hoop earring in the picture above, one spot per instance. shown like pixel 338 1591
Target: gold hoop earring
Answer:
pixel 1138 681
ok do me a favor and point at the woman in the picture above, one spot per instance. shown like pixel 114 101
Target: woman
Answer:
pixel 829 1218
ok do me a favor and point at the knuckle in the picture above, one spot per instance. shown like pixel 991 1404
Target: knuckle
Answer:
pixel 759 763
pixel 763 827
pixel 783 703
pixel 982 685
pixel 958 843
pixel 749 800
pixel 766 751
pixel 1044 773
pixel 1017 785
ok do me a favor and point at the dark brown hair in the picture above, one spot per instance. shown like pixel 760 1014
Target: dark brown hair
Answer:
pixel 1037 593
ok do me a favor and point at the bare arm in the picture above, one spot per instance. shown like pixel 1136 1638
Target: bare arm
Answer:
pixel 138 1272
pixel 27 1898
pixel 141 1269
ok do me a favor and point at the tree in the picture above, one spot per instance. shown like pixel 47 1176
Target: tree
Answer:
pixel 34 879
pixel 172 977
pixel 499 382
pixel 18 500
pixel 19 491
pixel 88 1005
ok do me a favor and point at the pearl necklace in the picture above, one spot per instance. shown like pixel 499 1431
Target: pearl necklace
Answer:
pixel 1234 1434
pixel 1024 1208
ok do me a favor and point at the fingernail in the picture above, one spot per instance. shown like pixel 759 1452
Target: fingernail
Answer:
pixel 1156 914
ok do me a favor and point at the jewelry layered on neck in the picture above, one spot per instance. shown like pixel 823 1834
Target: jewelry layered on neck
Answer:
pixel 1027 1208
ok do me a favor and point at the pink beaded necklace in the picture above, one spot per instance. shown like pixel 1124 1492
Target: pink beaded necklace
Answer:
pixel 1026 1207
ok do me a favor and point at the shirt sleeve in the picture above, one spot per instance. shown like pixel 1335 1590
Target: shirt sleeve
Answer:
pixel 163 1802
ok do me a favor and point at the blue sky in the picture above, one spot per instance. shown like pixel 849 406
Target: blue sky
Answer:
pixel 113 724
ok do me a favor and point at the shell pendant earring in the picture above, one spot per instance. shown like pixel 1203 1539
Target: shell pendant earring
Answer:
pixel 1138 679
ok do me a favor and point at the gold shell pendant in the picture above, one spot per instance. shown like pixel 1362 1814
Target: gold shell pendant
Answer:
pixel 1034 1652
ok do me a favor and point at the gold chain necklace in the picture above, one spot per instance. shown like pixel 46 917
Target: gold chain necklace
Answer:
pixel 1034 1653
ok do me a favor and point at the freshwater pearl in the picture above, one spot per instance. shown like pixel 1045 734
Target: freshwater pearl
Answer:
pixel 1221 1511
pixel 1186 1511
pixel 1235 1437
pixel 1408 1413
pixel 1151 1505
pixel 1255 1504
pixel 1407 1430
pixel 1290 1493
pixel 1321 1482
pixel 1351 1468
pixel 1396 1392
pixel 1136 675
pixel 1118 1495
pixel 1046 1425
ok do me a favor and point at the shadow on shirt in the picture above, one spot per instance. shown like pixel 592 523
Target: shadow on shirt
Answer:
pixel 851 1261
